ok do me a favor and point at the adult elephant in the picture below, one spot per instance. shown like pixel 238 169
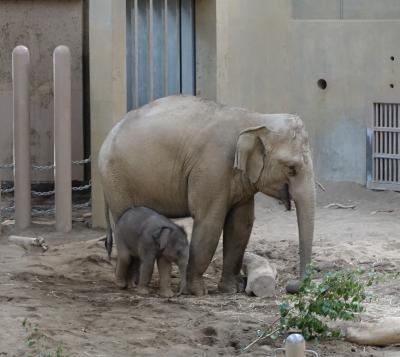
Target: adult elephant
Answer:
pixel 185 156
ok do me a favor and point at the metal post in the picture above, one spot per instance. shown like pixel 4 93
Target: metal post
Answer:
pixel 21 132
pixel 295 346
pixel 62 138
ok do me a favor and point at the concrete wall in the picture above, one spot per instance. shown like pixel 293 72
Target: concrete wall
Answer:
pixel 206 49
pixel 346 9
pixel 41 25
pixel 270 55
pixel 252 47
pixel 107 38
pixel 354 59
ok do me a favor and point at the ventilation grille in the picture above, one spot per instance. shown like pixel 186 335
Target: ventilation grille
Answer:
pixel 384 148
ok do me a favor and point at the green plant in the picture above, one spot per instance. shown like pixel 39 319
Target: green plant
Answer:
pixel 338 296
pixel 37 342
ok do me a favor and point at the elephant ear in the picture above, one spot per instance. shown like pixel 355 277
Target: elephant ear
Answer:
pixel 160 236
pixel 250 152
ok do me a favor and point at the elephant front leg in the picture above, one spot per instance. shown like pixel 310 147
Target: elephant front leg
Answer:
pixel 164 271
pixel 146 271
pixel 237 230
pixel 203 244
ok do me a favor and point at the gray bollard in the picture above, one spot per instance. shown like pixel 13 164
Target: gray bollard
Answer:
pixel 62 138
pixel 295 346
pixel 21 132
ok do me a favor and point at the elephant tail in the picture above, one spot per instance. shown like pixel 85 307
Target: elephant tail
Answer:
pixel 109 238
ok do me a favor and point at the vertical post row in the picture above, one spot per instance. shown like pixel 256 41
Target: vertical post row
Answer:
pixel 62 138
pixel 21 133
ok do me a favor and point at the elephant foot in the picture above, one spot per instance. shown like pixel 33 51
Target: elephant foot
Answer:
pixel 167 293
pixel 232 285
pixel 196 287
pixel 132 284
pixel 293 286
pixel 121 283
pixel 143 290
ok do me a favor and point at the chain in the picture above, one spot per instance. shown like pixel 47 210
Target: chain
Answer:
pixel 46 167
pixel 81 162
pixel 82 205
pixel 50 211
pixel 7 190
pixel 44 212
pixel 42 194
pixel 43 167
pixel 48 193
pixel 82 188
pixel 7 209
pixel 6 166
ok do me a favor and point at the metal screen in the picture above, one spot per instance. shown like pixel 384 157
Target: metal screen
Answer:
pixel 383 148
pixel 160 49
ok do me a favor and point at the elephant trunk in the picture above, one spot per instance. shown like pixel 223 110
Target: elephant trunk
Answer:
pixel 302 190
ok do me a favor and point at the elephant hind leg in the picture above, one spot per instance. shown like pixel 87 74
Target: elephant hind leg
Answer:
pixel 134 270
pixel 122 269
pixel 237 231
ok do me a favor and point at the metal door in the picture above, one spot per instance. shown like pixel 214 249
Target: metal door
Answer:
pixel 383 148
pixel 160 49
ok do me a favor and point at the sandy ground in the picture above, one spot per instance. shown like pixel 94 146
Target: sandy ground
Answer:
pixel 69 294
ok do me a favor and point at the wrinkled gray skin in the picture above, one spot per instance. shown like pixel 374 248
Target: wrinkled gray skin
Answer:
pixel 185 156
pixel 143 236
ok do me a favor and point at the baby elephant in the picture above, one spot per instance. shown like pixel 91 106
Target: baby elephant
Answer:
pixel 142 236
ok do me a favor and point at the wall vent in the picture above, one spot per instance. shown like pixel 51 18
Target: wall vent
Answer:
pixel 383 148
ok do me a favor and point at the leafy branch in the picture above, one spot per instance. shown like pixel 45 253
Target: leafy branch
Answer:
pixel 338 296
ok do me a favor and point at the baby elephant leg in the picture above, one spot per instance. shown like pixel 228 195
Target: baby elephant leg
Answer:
pixel 134 270
pixel 164 270
pixel 146 271
pixel 122 269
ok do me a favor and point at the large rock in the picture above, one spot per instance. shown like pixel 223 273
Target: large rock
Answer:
pixel 261 275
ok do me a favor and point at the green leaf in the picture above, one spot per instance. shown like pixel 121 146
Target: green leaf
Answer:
pixel 339 295
pixel 283 309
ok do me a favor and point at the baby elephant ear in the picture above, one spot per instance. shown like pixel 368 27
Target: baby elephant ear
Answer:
pixel 160 236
